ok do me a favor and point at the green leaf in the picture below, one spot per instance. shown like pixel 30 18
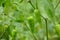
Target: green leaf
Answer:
pixel 31 23
pixel 38 16
pixel 57 29
pixel 14 32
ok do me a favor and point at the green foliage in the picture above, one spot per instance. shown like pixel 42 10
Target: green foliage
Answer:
pixel 29 20
pixel 57 28
pixel 31 23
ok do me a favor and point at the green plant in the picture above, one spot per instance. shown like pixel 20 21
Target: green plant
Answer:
pixel 29 19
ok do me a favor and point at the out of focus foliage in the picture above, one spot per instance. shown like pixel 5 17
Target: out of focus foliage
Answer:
pixel 29 19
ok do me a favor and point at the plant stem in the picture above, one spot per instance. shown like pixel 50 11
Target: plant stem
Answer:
pixel 42 17
pixel 36 5
pixel 46 25
pixel 57 4
pixel 46 28
pixel 31 4
pixel 34 37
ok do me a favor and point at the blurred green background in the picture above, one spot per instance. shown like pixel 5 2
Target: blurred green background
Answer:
pixel 29 19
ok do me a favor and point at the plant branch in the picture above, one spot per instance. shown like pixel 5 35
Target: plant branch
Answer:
pixel 42 17
pixel 36 5
pixel 31 4
pixel 46 25
pixel 46 28
pixel 57 4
